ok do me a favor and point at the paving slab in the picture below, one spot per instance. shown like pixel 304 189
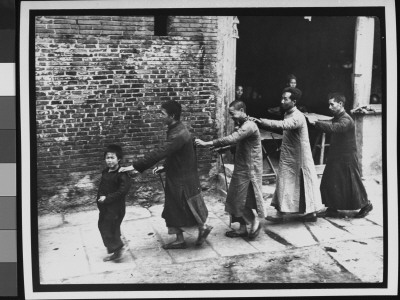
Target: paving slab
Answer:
pixel 136 212
pixel 295 233
pixel 217 206
pixel 214 271
pixel 226 246
pixel 305 265
pixel 361 228
pixel 50 221
pixel 156 210
pixel 193 253
pixel 159 227
pixel 324 230
pixel 58 237
pixel 361 257
pixel 140 234
pixel 81 218
pixel 66 257
pixel 110 277
pixel 212 215
pixel 71 249
pixel 376 218
pixel 376 215
pixel 154 257
pixel 265 243
pixel 96 251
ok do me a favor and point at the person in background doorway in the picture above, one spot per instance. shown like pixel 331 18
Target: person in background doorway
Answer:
pixel 244 200
pixel 297 189
pixel 341 184
pixel 291 81
pixel 239 93
pixel 184 205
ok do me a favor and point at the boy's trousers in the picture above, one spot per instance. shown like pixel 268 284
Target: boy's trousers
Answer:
pixel 110 219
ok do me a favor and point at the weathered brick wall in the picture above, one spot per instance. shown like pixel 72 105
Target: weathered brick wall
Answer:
pixel 101 80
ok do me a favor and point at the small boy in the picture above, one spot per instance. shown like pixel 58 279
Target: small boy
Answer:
pixel 113 188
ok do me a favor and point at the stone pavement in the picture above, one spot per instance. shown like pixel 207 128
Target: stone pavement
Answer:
pixel 330 250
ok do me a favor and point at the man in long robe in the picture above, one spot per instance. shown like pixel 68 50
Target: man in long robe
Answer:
pixel 244 200
pixel 184 205
pixel 341 184
pixel 297 189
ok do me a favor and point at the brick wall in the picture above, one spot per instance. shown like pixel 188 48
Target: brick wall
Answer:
pixel 101 80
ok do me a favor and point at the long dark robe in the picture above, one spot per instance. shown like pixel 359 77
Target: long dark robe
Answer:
pixel 341 184
pixel 184 205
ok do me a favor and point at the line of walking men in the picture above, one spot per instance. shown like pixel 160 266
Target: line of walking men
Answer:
pixel 297 189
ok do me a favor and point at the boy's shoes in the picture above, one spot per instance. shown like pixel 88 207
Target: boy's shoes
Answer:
pixel 174 245
pixel 203 233
pixel 115 255
pixel 312 217
pixel 364 211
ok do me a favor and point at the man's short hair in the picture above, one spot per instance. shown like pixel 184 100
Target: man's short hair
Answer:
pixel 114 149
pixel 295 93
pixel 238 104
pixel 172 108
pixel 337 97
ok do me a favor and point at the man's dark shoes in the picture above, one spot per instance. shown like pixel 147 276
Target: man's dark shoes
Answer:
pixel 312 217
pixel 203 234
pixel 253 235
pixel 364 211
pixel 174 245
pixel 235 234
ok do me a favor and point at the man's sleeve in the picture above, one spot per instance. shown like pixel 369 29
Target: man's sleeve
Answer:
pixel 286 124
pixel 150 159
pixel 343 125
pixel 124 184
pixel 243 132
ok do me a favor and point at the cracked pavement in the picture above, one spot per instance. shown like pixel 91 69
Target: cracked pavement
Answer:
pixel 340 250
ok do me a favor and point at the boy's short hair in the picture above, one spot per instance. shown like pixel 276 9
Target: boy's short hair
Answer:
pixel 337 97
pixel 114 149
pixel 172 108
pixel 238 104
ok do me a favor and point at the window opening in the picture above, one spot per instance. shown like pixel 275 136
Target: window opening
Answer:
pixel 160 25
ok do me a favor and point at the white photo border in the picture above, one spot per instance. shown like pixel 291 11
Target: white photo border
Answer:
pixel 26 144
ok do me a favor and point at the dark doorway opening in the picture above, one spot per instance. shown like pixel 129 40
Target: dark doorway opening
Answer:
pixel 317 50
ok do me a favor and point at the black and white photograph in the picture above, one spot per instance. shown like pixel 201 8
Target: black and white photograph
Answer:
pixel 208 148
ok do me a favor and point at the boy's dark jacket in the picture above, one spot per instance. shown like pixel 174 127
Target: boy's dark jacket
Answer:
pixel 114 185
